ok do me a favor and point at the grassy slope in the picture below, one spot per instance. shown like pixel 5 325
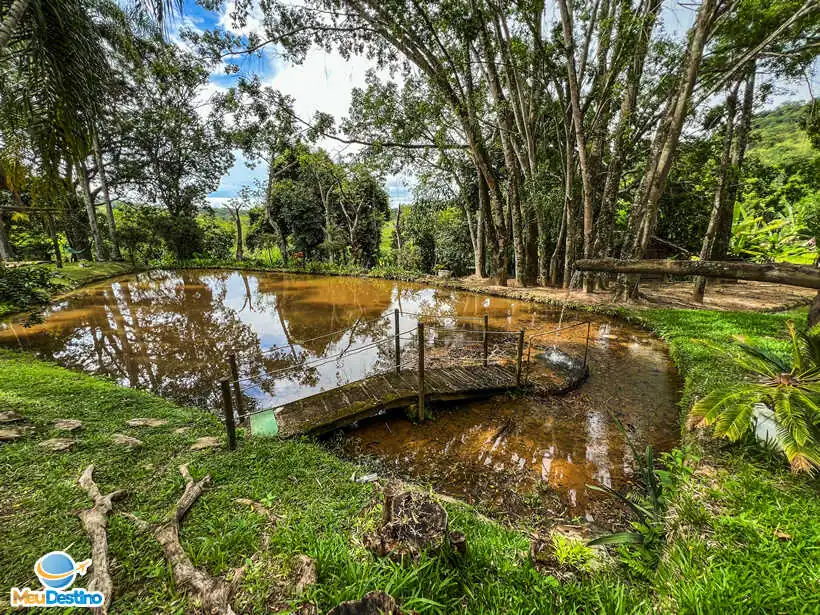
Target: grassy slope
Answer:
pixel 324 513
pixel 724 555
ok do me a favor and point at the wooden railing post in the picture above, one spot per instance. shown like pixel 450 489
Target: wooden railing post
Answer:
pixel 240 403
pixel 398 341
pixel 420 416
pixel 225 385
pixel 519 358
pixel 486 336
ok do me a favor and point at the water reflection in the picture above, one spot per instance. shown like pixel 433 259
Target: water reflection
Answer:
pixel 170 332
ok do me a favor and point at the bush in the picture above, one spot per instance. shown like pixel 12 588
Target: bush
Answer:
pixel 23 288
pixel 216 240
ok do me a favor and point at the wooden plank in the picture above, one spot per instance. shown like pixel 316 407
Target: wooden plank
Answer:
pixel 336 407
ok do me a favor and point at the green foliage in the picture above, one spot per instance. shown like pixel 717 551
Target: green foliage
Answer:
pixel 790 387
pixel 22 288
pixel 782 238
pixel 217 239
pixel 453 249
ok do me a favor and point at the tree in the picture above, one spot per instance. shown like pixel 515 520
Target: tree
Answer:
pixel 235 207
pixel 170 154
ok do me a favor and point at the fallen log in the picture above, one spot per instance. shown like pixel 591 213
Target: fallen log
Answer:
pixel 779 273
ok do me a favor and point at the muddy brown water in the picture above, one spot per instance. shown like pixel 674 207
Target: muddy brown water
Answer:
pixel 170 331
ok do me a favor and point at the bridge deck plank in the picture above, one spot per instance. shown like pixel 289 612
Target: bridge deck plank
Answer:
pixel 344 405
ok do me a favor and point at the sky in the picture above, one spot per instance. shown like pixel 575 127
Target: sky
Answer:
pixel 324 82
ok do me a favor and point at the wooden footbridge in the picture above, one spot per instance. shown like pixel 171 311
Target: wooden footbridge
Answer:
pixel 489 363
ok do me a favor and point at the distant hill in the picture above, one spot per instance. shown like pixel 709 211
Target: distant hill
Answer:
pixel 779 140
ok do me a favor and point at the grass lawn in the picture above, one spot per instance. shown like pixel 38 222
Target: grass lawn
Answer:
pixel 743 532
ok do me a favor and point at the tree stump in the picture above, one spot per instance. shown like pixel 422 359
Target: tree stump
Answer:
pixel 412 522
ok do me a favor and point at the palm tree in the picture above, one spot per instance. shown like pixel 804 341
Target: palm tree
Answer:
pixel 789 386
pixel 18 11
pixel 55 71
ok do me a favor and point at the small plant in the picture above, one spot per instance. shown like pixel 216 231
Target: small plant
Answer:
pixel 789 386
pixel 640 547
pixel 571 553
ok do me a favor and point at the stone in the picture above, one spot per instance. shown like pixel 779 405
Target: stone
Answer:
pixel 11 434
pixel 147 422
pixel 124 440
pixel 206 442
pixel 58 445
pixel 182 430
pixel 68 424
pixel 11 416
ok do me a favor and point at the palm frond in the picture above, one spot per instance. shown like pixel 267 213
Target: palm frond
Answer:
pixel 708 409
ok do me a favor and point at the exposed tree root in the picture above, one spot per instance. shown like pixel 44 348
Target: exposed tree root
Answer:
pixel 95 523
pixel 213 593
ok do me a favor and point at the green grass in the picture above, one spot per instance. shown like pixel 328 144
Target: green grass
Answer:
pixel 743 531
pixel 323 513
pixel 724 555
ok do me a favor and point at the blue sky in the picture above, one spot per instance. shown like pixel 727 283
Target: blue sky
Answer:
pixel 325 80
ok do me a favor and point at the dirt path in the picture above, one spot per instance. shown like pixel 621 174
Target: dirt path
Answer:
pixel 730 296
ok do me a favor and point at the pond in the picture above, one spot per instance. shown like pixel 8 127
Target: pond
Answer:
pixel 171 331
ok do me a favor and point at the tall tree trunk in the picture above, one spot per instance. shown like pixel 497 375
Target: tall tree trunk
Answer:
pixel 55 243
pixel 12 21
pixel 109 210
pixel 555 259
pixel 532 232
pixel 483 208
pixel 398 228
pixel 543 244
pixel 578 123
pixel 506 129
pixel 726 177
pixel 240 253
pixel 723 236
pixel 623 132
pixel 6 252
pixel 91 211
pixel 645 207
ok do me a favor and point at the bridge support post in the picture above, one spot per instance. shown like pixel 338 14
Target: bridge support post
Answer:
pixel 398 341
pixel 519 359
pixel 485 337
pixel 420 414
pixel 225 385
pixel 240 404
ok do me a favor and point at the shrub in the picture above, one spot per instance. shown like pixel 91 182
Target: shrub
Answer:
pixel 23 288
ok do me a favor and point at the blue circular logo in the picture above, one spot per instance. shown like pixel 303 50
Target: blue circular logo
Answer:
pixel 56 570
